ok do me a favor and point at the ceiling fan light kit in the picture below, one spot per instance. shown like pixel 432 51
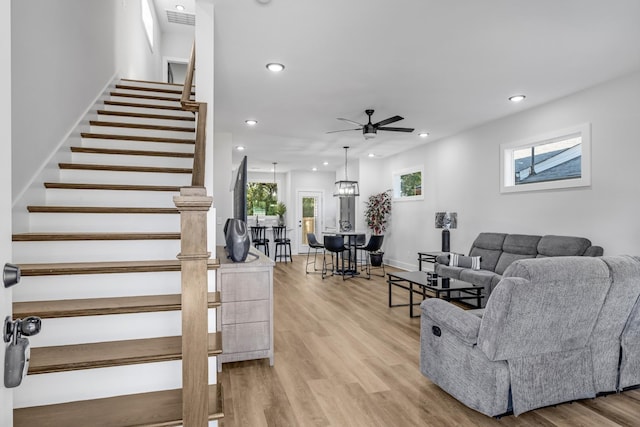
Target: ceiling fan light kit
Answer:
pixel 370 130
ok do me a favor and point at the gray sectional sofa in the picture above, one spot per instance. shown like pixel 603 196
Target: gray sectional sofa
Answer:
pixel 554 330
pixel 499 250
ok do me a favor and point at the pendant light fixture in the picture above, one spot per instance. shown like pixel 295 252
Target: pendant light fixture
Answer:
pixel 346 188
pixel 275 186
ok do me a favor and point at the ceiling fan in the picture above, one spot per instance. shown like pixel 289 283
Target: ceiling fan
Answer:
pixel 370 130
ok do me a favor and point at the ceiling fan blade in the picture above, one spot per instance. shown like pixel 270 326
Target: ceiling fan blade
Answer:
pixel 343 130
pixel 350 121
pixel 397 129
pixel 388 121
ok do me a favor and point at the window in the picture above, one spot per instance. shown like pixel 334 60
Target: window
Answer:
pixel 407 184
pixel 262 198
pixel 147 21
pixel 560 159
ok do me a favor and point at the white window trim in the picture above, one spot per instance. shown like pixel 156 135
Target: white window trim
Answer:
pixel 148 23
pixel 507 175
pixel 395 181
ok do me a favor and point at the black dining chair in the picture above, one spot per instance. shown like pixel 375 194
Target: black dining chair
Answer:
pixel 373 245
pixel 313 243
pixel 282 243
pixel 335 245
pixel 259 238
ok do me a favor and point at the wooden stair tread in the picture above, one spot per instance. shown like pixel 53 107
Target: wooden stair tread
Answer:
pixel 151 89
pixel 144 96
pixel 63 358
pixel 123 168
pixel 126 187
pixel 104 306
pixel 139 105
pixel 124 152
pixel 155 409
pixel 105 267
pixel 153 82
pixel 145 116
pixel 56 237
pixel 100 209
pixel 136 138
pixel 141 126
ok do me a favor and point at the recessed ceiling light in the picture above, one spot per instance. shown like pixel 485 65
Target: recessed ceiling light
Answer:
pixel 179 7
pixel 314 169
pixel 517 98
pixel 325 163
pixel 423 134
pixel 275 67
pixel 371 155
pixel 240 148
pixel 251 122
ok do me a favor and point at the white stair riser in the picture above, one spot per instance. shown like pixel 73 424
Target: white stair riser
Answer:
pixel 142 120
pixel 79 286
pixel 125 98
pixel 47 389
pixel 65 222
pixel 155 133
pixel 137 145
pixel 132 160
pixel 111 177
pixel 149 84
pixel 73 197
pixel 144 110
pixel 96 250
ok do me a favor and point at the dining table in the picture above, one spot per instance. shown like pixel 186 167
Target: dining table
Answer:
pixel 351 238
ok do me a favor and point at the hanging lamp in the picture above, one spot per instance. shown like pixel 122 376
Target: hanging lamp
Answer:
pixel 346 188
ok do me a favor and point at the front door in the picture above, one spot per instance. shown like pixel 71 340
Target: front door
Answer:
pixel 6 395
pixel 309 213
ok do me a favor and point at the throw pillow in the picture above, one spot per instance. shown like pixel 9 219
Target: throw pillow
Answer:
pixel 472 262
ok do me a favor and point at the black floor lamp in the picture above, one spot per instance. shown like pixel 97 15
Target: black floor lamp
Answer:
pixel 446 221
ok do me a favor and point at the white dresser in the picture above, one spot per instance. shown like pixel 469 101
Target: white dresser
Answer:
pixel 246 314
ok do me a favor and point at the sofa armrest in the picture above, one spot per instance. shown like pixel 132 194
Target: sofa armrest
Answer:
pixel 443 259
pixel 452 319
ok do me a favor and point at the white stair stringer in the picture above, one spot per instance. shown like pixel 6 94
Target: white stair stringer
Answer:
pixel 84 384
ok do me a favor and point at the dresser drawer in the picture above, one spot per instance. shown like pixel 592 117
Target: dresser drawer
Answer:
pixel 245 337
pixel 243 286
pixel 245 312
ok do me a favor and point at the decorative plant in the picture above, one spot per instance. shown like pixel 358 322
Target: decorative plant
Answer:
pixel 377 211
pixel 280 210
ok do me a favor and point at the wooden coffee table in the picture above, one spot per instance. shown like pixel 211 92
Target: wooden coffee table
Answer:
pixel 416 282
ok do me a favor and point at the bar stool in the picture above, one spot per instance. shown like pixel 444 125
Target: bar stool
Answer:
pixel 259 238
pixel 334 244
pixel 315 245
pixel 282 243
pixel 374 244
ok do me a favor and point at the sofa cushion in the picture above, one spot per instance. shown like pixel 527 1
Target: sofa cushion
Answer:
pixel 480 278
pixel 506 259
pixel 521 244
pixel 492 241
pixel 472 262
pixel 489 257
pixel 562 246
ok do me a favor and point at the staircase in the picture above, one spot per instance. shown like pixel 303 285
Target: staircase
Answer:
pixel 99 267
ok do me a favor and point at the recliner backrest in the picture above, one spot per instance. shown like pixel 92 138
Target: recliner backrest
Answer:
pixel 489 247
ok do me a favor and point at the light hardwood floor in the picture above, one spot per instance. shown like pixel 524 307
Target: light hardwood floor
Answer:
pixel 343 358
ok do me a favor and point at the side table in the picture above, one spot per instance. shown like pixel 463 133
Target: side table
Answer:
pixel 428 256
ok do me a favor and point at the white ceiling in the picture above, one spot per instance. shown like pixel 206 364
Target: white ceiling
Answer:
pixel 445 66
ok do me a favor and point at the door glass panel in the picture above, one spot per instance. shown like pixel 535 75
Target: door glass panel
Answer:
pixel 309 217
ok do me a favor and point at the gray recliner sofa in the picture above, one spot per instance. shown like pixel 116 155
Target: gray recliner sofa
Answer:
pixel 498 250
pixel 554 330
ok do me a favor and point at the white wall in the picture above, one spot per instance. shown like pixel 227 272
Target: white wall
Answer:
pixel 462 175
pixel 6 395
pixel 177 45
pixel 64 53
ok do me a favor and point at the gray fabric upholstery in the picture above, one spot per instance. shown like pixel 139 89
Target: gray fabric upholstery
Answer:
pixel 479 278
pixel 555 324
pixel 499 250
pixel 459 368
pixel 563 246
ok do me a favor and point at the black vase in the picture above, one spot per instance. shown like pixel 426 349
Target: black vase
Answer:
pixel 237 239
pixel 376 259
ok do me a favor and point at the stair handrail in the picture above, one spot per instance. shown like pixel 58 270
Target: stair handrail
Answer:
pixel 200 108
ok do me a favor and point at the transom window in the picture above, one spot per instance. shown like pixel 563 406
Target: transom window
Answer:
pixel 556 160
